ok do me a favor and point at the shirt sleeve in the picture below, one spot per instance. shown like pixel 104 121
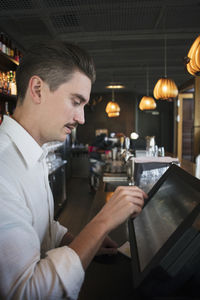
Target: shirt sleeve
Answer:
pixel 73 266
pixel 58 231
pixel 24 274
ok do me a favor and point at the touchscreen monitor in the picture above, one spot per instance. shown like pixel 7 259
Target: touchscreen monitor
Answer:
pixel 172 207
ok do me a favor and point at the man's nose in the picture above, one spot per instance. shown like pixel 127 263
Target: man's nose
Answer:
pixel 80 116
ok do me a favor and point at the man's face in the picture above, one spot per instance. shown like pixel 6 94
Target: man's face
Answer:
pixel 63 109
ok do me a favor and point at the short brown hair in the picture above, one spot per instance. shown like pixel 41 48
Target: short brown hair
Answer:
pixel 53 62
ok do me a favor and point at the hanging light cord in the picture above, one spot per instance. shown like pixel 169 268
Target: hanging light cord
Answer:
pixel 165 53
pixel 113 98
pixel 147 81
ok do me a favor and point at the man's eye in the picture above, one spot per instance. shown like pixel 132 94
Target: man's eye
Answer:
pixel 76 103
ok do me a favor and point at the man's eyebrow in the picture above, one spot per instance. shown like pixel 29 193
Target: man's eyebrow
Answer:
pixel 80 97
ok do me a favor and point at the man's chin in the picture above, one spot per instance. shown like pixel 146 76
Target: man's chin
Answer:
pixel 62 138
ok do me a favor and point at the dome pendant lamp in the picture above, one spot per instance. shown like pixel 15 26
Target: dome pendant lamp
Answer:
pixel 165 88
pixel 193 58
pixel 147 102
pixel 112 108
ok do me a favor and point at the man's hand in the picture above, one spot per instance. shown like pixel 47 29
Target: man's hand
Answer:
pixel 108 247
pixel 126 201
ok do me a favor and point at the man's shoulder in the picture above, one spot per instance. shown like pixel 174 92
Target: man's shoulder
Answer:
pixel 11 161
pixel 6 146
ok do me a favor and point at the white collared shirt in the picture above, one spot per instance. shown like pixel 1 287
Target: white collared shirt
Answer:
pixel 31 267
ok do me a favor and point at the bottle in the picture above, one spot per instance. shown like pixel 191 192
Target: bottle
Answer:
pixel 7 109
pixel 3 43
pixel 7 47
pixel 1 83
pixel 11 76
pixel 16 55
pixel 121 142
pixel 8 83
pixel 12 85
pixel 5 83
pixel 20 56
pixel 11 50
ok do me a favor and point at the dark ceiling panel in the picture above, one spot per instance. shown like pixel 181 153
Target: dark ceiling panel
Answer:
pixel 183 17
pixel 31 26
pixel 63 3
pixel 13 4
pixel 66 23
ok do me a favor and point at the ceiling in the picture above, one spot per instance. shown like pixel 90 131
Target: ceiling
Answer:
pixel 125 37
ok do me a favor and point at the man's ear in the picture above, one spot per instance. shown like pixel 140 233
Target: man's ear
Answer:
pixel 35 86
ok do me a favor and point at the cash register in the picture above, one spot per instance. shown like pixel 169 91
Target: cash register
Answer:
pixel 165 238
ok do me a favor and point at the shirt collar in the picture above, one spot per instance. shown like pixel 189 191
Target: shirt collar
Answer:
pixel 28 147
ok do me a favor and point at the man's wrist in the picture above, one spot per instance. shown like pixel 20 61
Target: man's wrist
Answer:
pixel 100 222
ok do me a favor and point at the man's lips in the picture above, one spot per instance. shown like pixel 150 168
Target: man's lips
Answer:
pixel 70 127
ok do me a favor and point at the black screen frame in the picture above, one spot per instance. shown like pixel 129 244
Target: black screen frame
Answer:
pixel 140 276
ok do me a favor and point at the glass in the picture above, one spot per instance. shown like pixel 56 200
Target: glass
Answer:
pixel 114 153
pixel 130 167
pixel 161 151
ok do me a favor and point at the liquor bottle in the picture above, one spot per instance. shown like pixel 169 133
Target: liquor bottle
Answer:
pixel 12 85
pixel 11 49
pixel 7 109
pixel 11 75
pixel 16 54
pixel 3 43
pixel 8 83
pixel 1 83
pixel 7 47
pixel 5 84
pixel 20 56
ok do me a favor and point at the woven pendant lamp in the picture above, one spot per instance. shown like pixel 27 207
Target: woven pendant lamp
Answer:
pixel 112 108
pixel 147 102
pixel 165 88
pixel 192 60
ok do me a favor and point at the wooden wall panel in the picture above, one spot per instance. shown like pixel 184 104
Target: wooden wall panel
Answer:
pixel 197 117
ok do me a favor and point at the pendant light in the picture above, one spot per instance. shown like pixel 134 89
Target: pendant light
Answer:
pixel 147 102
pixel 112 108
pixel 165 88
pixel 193 58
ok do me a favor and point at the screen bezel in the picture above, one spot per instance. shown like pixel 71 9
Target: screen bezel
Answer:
pixel 138 275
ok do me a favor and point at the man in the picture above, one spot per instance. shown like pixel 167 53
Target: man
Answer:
pixel 38 257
